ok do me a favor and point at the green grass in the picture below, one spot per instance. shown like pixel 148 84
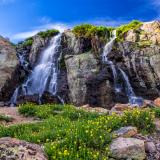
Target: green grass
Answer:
pixel 69 133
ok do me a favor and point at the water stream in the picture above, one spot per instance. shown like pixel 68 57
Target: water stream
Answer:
pixel 44 75
pixel 133 99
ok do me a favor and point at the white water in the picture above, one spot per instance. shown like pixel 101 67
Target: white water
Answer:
pixel 106 51
pixel 133 99
pixel 44 75
pixel 129 90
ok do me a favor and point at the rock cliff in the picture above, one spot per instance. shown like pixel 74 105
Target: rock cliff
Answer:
pixel 8 69
pixel 83 78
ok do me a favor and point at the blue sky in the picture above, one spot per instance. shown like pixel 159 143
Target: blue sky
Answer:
pixel 23 18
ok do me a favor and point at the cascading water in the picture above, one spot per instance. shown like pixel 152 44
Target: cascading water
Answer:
pixel 106 51
pixel 44 75
pixel 129 90
pixel 133 99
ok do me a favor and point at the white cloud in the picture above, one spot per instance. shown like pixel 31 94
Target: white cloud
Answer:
pixel 61 27
pixel 23 35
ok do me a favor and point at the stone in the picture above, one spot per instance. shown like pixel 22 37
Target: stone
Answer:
pixel 157 102
pixel 121 107
pixel 8 69
pixel 150 147
pixel 100 110
pixel 11 148
pixel 157 125
pixel 126 132
pixel 128 148
pixel 2 104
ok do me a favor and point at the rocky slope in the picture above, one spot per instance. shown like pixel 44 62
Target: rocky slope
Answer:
pixel 8 69
pixel 83 78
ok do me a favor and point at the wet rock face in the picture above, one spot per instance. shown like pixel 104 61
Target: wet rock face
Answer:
pixel 140 59
pixel 142 65
pixel 8 69
pixel 13 149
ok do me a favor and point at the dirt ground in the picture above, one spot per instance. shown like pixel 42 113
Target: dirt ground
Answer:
pixel 17 118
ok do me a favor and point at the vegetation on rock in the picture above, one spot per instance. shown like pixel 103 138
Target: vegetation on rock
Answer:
pixel 88 31
pixel 134 25
pixel 27 42
pixel 70 133
pixel 48 33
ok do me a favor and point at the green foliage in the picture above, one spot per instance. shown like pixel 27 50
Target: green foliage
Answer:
pixel 156 111
pixel 48 33
pixel 88 31
pixel 73 133
pixel 28 42
pixel 143 44
pixel 142 119
pixel 5 118
pixel 135 25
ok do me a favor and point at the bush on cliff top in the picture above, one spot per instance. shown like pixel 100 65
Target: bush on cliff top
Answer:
pixel 48 33
pixel 125 28
pixel 27 42
pixel 88 30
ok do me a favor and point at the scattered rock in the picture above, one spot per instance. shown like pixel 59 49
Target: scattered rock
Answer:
pixel 157 102
pixel 126 132
pixel 14 149
pixel 128 148
pixel 88 108
pixel 121 107
pixel 2 104
pixel 150 147
pixel 157 125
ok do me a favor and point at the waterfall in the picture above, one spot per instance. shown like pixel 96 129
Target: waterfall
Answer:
pixel 133 99
pixel 129 90
pixel 44 75
pixel 106 51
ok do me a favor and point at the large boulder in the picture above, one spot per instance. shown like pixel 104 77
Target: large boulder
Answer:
pixel 13 149
pixel 8 69
pixel 128 148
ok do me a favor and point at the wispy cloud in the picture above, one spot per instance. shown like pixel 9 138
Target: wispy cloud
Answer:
pixel 23 35
pixel 156 3
pixel 107 22
pixel 4 2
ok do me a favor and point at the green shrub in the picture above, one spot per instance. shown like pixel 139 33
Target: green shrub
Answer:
pixel 28 110
pixel 5 118
pixel 27 42
pixel 156 111
pixel 135 25
pixel 142 119
pixel 88 31
pixel 48 33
